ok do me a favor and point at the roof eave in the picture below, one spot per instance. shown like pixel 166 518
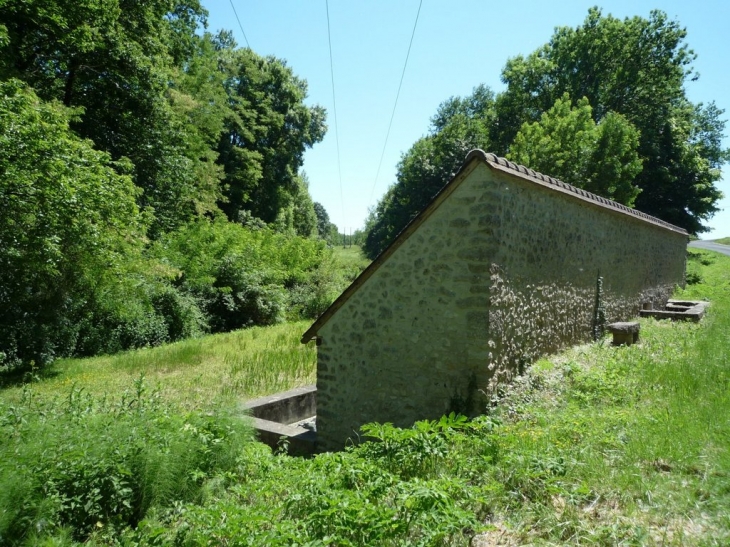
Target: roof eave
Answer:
pixel 497 163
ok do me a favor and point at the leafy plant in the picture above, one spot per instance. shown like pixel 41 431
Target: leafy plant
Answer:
pixel 86 464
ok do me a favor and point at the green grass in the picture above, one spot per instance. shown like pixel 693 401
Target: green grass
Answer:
pixel 351 260
pixel 598 445
pixel 195 373
pixel 723 240
pixel 642 434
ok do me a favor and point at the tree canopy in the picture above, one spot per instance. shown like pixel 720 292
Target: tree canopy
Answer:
pixel 123 124
pixel 459 126
pixel 602 106
pixel 206 125
pixel 69 223
pixel 601 158
pixel 638 68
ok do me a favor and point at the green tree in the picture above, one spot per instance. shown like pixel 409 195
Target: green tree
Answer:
pixel 566 143
pixel 299 216
pixel 116 59
pixel 69 227
pixel 326 229
pixel 266 134
pixel 638 68
pixel 459 126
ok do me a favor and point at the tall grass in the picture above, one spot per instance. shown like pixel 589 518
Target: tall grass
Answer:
pixel 598 445
pixel 628 445
pixel 351 260
pixel 79 465
pixel 196 373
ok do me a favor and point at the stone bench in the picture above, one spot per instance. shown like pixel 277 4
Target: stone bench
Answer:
pixel 624 333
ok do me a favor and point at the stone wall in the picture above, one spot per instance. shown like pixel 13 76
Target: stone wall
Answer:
pixel 500 270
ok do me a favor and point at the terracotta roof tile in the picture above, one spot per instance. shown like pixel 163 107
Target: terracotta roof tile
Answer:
pixel 500 164
pixel 525 172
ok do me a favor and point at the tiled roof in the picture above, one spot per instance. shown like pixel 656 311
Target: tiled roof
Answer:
pixel 525 172
pixel 500 164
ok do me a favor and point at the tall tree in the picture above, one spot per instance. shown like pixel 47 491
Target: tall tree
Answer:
pixel 68 226
pixel 115 59
pixel 326 229
pixel 635 67
pixel 459 125
pixel 266 134
pixel 568 144
pixel 298 216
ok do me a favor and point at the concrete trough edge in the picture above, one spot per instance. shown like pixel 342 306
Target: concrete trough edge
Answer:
pixel 301 442
pixel 286 407
pixel 272 418
pixel 694 311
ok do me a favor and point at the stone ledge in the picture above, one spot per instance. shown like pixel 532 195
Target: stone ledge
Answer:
pixel 679 310
pixel 286 407
pixel 301 440
pixel 624 333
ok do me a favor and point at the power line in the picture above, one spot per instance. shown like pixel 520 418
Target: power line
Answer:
pixel 334 108
pixel 239 24
pixel 382 155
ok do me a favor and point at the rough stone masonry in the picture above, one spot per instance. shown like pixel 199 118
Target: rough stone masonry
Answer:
pixel 500 268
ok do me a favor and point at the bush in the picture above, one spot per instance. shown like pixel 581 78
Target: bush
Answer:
pixel 87 465
pixel 244 277
pixel 181 313
pixel 69 223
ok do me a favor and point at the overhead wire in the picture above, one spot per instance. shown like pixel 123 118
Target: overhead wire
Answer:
pixel 239 24
pixel 392 116
pixel 334 108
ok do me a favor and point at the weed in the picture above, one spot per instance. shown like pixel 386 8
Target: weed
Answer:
pixel 599 445
pixel 82 463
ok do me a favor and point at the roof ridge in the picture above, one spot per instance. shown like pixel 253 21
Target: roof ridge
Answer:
pixel 507 165
pixel 493 162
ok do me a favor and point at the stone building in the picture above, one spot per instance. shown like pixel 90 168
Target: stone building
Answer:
pixel 504 265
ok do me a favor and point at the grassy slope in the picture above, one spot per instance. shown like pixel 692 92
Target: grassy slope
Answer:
pixel 598 445
pixel 595 446
pixel 194 373
pixel 724 240
pixel 351 259
pixel 199 372
pixel 643 433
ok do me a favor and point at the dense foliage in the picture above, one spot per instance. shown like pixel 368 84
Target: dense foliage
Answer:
pixel 73 466
pixel 602 105
pixel 568 144
pixel 69 228
pixel 599 445
pixel 125 127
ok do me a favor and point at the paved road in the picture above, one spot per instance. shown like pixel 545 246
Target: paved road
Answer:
pixel 711 246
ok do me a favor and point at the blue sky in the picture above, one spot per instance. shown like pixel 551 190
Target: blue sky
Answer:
pixel 458 44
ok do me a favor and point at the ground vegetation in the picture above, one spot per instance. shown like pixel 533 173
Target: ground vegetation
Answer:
pixel 597 445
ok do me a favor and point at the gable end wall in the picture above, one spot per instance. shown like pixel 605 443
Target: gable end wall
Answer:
pixel 406 344
pixel 502 271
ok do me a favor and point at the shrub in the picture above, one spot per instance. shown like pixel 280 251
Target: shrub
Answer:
pixel 243 276
pixel 69 223
pixel 86 464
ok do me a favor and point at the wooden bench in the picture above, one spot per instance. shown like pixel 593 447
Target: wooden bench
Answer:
pixel 624 333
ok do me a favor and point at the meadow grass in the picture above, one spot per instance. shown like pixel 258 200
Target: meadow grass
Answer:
pixel 597 445
pixel 723 240
pixel 351 255
pixel 635 440
pixel 194 373
pixel 200 372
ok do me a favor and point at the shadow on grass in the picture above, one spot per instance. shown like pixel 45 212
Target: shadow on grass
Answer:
pixel 25 374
